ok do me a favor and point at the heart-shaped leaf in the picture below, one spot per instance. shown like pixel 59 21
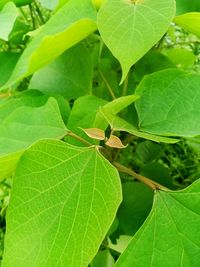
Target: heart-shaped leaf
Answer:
pixel 169 103
pixel 170 236
pixel 130 28
pixel 64 200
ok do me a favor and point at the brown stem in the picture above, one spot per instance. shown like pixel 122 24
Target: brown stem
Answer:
pixel 150 183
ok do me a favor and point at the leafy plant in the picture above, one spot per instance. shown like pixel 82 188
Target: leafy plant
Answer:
pixel 99 133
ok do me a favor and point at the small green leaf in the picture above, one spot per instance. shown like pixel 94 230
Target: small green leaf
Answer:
pixel 119 124
pixel 64 200
pixel 103 259
pixel 72 23
pixel 83 115
pixel 181 57
pixel 189 22
pixel 170 236
pixel 113 108
pixel 169 103
pixel 72 71
pixel 121 243
pixel 23 124
pixel 8 15
pixel 130 29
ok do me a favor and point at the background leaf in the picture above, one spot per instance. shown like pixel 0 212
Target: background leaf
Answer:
pixel 169 103
pixel 170 236
pixel 24 121
pixel 57 34
pixel 184 6
pixel 189 22
pixel 74 192
pixel 70 75
pixel 8 61
pixel 136 205
pixel 103 259
pixel 130 29
pixel 8 15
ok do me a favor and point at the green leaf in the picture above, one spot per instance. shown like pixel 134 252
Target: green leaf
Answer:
pixel 169 103
pixel 17 35
pixel 83 115
pixel 181 57
pixel 22 123
pixel 8 61
pixel 121 243
pixel 159 173
pixel 72 23
pixel 103 259
pixel 8 16
pixel 50 4
pixel 131 28
pixel 151 62
pixel 189 22
pixel 136 205
pixel 112 108
pixel 72 71
pixel 184 6
pixel 22 2
pixel 170 236
pixel 147 151
pixel 64 200
pixel 119 124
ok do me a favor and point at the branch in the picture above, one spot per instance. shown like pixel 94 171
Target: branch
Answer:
pixel 150 183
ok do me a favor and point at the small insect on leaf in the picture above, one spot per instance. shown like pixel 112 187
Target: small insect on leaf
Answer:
pixel 115 142
pixel 94 133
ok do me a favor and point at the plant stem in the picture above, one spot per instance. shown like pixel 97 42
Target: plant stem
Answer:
pixel 32 17
pixel 107 84
pixel 39 12
pixel 150 183
pixel 80 139
pixel 24 15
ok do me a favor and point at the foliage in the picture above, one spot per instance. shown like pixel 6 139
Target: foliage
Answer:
pixel 99 133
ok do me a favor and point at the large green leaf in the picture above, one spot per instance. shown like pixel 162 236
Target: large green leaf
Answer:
pixel 72 23
pixel 190 22
pixel 131 28
pixel 22 122
pixel 8 15
pixel 63 202
pixel 169 103
pixel 69 75
pixel 170 236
